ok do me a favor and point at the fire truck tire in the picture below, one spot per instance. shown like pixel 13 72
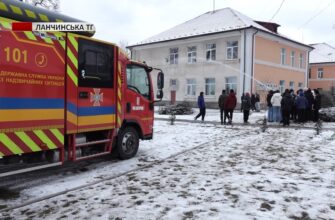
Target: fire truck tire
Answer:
pixel 128 142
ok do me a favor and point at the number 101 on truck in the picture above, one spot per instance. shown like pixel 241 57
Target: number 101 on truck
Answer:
pixel 66 96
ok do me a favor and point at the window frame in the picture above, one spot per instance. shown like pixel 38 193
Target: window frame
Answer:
pixel 209 86
pixel 231 85
pixel 174 55
pixel 292 58
pixel 283 56
pixel 281 86
pixel 95 80
pixel 320 73
pixel 191 54
pixel 301 60
pixel 193 87
pixel 232 50
pixel 210 52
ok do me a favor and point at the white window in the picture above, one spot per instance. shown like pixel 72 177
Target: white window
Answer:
pixel 281 86
pixel 210 52
pixel 283 56
pixel 173 82
pixel 192 54
pixel 301 60
pixel 232 50
pixel 320 73
pixel 300 85
pixel 291 85
pixel 292 58
pixel 210 86
pixel 191 87
pixel 231 83
pixel 174 55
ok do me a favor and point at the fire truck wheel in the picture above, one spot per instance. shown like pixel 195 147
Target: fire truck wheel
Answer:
pixel 128 143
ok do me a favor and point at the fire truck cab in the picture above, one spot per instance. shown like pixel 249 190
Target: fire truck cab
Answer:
pixel 67 97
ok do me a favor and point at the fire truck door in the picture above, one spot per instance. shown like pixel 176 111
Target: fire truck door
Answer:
pixel 96 92
pixel 139 106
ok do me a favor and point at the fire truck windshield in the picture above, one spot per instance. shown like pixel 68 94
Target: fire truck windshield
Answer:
pixel 137 80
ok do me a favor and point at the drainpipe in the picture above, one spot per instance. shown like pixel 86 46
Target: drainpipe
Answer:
pixel 252 60
pixel 244 57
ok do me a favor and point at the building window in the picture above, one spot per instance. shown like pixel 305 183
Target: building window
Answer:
pixel 173 82
pixel 174 55
pixel 192 54
pixel 292 85
pixel 191 87
pixel 292 58
pixel 231 83
pixel 301 60
pixel 300 85
pixel 232 50
pixel 210 86
pixel 281 86
pixel 320 73
pixel 210 52
pixel 283 56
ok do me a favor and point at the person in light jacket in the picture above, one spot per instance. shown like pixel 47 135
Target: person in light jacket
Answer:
pixel 276 103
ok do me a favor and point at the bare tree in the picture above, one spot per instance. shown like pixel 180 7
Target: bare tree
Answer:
pixel 52 5
pixel 123 44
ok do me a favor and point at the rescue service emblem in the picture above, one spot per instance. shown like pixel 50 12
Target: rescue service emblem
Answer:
pixel 96 97
pixel 41 60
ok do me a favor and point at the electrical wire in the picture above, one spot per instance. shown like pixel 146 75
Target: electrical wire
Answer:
pixel 317 14
pixel 277 10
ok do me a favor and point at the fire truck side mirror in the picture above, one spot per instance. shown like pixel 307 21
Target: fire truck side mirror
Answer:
pixel 160 80
pixel 159 94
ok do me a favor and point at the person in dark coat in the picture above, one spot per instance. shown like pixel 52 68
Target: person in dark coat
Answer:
pixel 202 107
pixel 246 105
pixel 230 105
pixel 269 104
pixel 316 105
pixel 294 109
pixel 301 104
pixel 221 101
pixel 253 102
pixel 310 98
pixel 286 107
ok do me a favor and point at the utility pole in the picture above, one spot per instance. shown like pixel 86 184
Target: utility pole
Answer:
pixel 213 6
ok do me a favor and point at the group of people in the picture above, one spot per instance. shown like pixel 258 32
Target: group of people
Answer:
pixel 302 106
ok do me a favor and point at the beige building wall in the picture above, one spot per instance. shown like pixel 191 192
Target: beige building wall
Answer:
pixel 269 69
pixel 327 82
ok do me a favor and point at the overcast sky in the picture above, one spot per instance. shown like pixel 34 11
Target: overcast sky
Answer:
pixel 132 21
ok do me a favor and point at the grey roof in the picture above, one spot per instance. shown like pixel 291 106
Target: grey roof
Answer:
pixel 322 53
pixel 221 20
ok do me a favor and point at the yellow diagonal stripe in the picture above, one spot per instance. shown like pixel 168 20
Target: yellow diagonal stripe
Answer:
pixel 58 135
pixel 118 107
pixel 1 154
pixel 28 141
pixel 48 40
pixel 3 6
pixel 44 17
pixel 62 42
pixel 72 58
pixel 10 144
pixel 73 42
pixel 30 35
pixel 40 134
pixel 6 24
pixel 72 75
pixel 30 14
pixel 16 10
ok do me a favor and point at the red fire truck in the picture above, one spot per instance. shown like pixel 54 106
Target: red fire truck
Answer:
pixel 67 97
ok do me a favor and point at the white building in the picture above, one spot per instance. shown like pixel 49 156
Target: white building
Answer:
pixel 223 49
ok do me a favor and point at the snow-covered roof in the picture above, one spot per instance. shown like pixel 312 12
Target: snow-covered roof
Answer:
pixel 322 53
pixel 221 20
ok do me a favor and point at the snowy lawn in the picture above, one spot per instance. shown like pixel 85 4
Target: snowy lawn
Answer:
pixel 224 173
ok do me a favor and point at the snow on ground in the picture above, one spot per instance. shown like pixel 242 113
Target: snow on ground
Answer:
pixel 228 173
